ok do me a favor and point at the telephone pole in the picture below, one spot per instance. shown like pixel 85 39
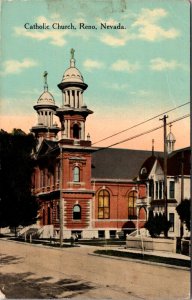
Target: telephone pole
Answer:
pixel 164 119
pixel 61 195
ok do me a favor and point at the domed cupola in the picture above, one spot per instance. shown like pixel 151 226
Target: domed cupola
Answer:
pixel 45 108
pixel 73 112
pixel 170 141
pixel 46 99
pixel 72 85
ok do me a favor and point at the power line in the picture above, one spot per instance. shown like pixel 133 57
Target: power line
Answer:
pixel 150 119
pixel 145 132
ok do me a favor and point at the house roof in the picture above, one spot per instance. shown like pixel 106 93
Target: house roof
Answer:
pixel 113 163
pixel 174 163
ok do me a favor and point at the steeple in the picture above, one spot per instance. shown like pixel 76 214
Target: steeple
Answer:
pixel 73 111
pixel 170 141
pixel 45 108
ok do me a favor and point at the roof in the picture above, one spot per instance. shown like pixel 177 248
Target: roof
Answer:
pixel 113 163
pixel 174 165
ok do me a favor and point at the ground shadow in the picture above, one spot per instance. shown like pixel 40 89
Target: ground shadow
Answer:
pixel 8 259
pixel 23 286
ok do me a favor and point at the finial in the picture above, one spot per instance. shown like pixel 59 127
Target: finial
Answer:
pixel 72 53
pixel 170 127
pixel 72 60
pixel 45 78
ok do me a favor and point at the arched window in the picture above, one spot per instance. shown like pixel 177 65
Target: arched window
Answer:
pixel 132 212
pixel 76 131
pixel 76 174
pixel 77 212
pixel 103 205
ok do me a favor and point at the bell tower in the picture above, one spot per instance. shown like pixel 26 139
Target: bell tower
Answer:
pixel 170 140
pixel 45 108
pixel 73 112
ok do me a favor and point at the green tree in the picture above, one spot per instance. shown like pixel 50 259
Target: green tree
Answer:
pixel 17 205
pixel 183 210
pixel 156 224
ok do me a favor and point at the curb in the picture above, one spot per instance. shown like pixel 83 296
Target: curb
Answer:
pixel 140 261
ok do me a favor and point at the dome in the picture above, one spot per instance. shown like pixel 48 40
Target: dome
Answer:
pixel 171 137
pixel 72 74
pixel 46 98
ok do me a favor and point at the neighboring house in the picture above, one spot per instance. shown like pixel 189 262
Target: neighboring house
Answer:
pixel 178 183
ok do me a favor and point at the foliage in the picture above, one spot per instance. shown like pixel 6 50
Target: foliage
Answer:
pixel 17 205
pixel 156 224
pixel 183 210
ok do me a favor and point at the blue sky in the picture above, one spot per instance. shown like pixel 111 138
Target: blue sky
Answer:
pixel 132 74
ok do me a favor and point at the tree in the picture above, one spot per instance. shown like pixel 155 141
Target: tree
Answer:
pixel 183 210
pixel 156 224
pixel 17 205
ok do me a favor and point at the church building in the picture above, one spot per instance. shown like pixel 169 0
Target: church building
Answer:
pixel 94 192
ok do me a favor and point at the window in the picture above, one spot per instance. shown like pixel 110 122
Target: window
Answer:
pixel 171 219
pixel 156 189
pixel 76 131
pixel 103 204
pixel 57 172
pixel 77 212
pixel 160 189
pixel 151 188
pixel 172 189
pixel 76 174
pixel 132 211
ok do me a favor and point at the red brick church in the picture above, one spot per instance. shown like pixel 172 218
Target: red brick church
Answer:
pixel 88 190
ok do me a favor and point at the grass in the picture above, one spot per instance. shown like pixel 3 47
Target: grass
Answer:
pixel 148 257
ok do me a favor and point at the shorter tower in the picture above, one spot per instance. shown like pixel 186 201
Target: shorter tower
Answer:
pixel 46 108
pixel 170 140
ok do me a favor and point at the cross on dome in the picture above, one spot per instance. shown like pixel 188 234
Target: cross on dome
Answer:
pixel 45 78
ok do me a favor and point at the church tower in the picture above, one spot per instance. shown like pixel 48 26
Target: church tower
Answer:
pixel 73 112
pixel 170 141
pixel 46 108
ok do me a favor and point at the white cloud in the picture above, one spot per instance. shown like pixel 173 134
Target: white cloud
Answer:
pixel 15 66
pixel 160 64
pixel 116 86
pixel 55 37
pixel 90 64
pixel 147 27
pixel 144 27
pixel 125 66
pixel 112 40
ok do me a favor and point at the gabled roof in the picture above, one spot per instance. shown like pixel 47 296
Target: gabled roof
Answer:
pixel 174 163
pixel 46 146
pixel 112 163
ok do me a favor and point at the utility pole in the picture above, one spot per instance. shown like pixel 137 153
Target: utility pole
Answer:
pixel 61 195
pixel 164 119
pixel 182 188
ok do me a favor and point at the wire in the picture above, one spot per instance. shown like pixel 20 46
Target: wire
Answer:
pixel 150 119
pixel 145 132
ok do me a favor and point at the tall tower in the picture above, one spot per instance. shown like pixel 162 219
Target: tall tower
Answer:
pixel 73 112
pixel 46 108
pixel 170 141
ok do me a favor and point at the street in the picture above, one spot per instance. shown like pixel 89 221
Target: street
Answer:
pixel 31 271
